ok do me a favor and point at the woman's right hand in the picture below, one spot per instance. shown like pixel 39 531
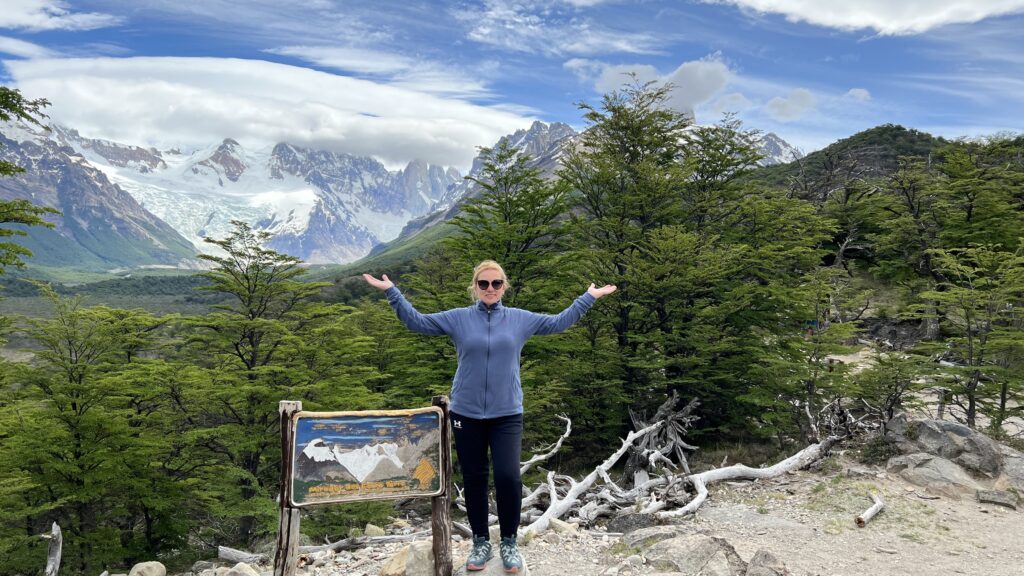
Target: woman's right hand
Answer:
pixel 381 284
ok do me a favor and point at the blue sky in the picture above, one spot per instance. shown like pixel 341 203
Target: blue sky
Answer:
pixel 433 80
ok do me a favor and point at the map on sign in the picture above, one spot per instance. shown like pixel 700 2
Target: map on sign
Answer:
pixel 348 456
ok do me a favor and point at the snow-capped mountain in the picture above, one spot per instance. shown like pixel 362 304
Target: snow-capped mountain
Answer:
pixel 100 226
pixel 777 151
pixel 320 206
pixel 546 145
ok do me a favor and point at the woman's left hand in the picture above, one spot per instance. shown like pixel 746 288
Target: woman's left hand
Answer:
pixel 602 291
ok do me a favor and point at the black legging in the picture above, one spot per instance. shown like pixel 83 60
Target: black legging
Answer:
pixel 504 436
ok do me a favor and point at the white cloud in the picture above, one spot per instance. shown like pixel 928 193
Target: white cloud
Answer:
pixel 23 49
pixel 732 102
pixel 887 17
pixel 795 105
pixel 694 82
pixel 37 15
pixel 859 94
pixel 697 81
pixel 192 102
pixel 615 77
pixel 537 28
pixel 398 69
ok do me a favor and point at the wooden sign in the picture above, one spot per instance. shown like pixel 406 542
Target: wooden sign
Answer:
pixel 349 456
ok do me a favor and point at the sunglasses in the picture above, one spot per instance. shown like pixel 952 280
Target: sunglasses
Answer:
pixel 496 284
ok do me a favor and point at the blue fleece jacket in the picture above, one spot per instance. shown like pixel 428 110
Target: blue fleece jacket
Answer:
pixel 488 341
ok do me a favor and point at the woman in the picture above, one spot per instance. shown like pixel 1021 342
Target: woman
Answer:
pixel 487 398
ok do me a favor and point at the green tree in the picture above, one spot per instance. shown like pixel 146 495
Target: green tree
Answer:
pixel 976 307
pixel 271 341
pixel 516 220
pixel 15 107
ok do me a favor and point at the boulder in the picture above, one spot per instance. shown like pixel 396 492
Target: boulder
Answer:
pixel 562 527
pixel 1013 470
pixel 936 474
pixel 629 522
pixel 764 563
pixel 645 537
pixel 374 530
pixel 201 565
pixel 242 569
pixel 493 567
pixel 697 555
pixel 148 569
pixel 416 559
pixel 1007 499
pixel 957 443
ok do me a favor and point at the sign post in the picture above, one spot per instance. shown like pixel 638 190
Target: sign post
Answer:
pixel 286 558
pixel 440 518
pixel 330 457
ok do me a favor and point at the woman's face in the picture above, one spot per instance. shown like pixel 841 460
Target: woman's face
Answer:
pixel 490 294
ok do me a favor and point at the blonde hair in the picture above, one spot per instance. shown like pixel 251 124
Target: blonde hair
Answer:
pixel 483 267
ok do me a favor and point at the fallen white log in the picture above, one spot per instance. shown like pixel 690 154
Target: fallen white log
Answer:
pixel 868 514
pixel 236 556
pixel 561 505
pixel 801 459
pixel 360 541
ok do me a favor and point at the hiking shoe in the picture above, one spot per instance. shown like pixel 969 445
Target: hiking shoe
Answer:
pixel 480 553
pixel 510 558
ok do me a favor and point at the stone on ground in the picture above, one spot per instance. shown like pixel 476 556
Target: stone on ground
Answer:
pixel 645 537
pixel 934 473
pixel 416 559
pixel 764 563
pixel 629 522
pixel 697 555
pixel 1002 498
pixel 148 569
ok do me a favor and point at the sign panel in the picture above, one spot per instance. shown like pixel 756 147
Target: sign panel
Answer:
pixel 349 456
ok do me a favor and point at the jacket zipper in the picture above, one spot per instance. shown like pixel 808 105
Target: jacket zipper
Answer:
pixel 487 362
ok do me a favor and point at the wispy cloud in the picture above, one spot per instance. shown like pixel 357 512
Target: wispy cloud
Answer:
pixel 397 69
pixel 196 101
pixel 791 107
pixel 24 49
pixel 539 28
pixel 885 17
pixel 859 94
pixel 39 15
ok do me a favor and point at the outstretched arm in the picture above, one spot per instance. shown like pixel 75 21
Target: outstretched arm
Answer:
pixel 552 324
pixel 436 324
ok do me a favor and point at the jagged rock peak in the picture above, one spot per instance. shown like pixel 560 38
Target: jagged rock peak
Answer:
pixel 228 159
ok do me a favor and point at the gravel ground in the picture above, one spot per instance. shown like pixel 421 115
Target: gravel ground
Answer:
pixel 805 518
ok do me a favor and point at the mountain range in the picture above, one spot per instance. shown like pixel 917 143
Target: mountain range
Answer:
pixel 127 206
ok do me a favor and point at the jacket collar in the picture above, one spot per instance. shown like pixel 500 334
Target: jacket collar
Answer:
pixel 484 307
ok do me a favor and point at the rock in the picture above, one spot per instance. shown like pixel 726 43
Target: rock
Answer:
pixel 629 522
pixel 221 571
pixel 645 537
pixel 202 565
pixel 1002 498
pixel 242 569
pixel 934 473
pixel 1013 470
pixel 552 538
pixel 561 526
pixel 493 567
pixel 697 555
pixel 764 563
pixel 374 530
pixel 416 559
pixel 957 443
pixel 148 569
pixel 853 472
